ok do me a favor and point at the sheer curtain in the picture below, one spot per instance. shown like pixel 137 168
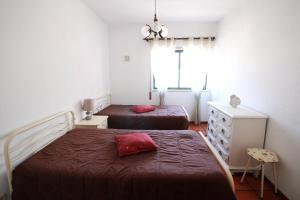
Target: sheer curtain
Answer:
pixel 196 58
pixel 163 60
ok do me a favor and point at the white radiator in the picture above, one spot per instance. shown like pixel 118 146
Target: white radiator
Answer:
pixel 205 97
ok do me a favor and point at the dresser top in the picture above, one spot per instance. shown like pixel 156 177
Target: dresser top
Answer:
pixel 239 112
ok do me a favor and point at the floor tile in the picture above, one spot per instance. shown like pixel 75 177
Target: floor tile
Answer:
pixel 247 195
pixel 270 195
pixel 240 186
pixel 255 183
pixel 195 127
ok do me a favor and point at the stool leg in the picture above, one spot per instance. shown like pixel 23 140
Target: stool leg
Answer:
pixel 262 181
pixel 257 171
pixel 275 176
pixel 247 165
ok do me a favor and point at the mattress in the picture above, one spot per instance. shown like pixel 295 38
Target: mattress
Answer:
pixel 83 165
pixel 171 117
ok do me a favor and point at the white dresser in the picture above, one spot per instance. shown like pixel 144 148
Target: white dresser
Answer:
pixel 232 130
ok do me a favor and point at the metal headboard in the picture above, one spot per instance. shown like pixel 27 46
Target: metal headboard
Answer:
pixel 22 143
pixel 102 102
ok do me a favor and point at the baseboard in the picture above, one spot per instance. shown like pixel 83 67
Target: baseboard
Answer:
pixel 203 122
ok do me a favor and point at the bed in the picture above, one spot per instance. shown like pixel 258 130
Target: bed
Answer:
pixel 60 162
pixel 169 117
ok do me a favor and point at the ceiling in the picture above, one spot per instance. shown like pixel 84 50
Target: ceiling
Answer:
pixel 141 11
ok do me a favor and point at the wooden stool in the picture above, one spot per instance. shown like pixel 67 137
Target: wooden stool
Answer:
pixel 263 156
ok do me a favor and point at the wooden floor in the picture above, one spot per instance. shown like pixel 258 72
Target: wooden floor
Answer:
pixel 250 189
pixel 201 127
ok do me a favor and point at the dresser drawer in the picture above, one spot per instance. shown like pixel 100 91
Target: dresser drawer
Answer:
pixel 212 122
pixel 224 143
pixel 222 152
pixel 212 131
pixel 225 132
pixel 213 112
pixel 211 139
pixel 225 120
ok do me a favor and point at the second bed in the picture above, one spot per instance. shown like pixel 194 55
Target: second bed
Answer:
pixel 169 117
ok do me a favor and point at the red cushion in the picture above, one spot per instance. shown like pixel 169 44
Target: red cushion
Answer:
pixel 142 108
pixel 133 143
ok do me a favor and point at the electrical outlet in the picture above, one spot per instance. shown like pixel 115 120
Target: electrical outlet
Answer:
pixel 126 58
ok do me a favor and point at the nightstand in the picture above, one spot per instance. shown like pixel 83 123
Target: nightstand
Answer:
pixel 96 122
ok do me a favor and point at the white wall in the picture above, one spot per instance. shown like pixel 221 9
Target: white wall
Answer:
pixel 53 53
pixel 259 47
pixel 130 81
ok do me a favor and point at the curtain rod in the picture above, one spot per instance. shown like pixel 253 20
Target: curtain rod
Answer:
pixel 182 38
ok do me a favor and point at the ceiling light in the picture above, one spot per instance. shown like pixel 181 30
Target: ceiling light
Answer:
pixel 158 30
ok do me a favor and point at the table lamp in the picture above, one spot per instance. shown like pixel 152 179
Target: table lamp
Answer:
pixel 88 106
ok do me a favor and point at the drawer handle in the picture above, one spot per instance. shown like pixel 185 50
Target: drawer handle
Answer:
pixel 210 140
pixel 212 112
pixel 223 131
pixel 212 121
pixel 211 131
pixel 223 119
pixel 220 152
pixel 222 142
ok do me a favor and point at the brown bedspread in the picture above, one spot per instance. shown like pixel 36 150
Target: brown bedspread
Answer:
pixel 83 165
pixel 171 117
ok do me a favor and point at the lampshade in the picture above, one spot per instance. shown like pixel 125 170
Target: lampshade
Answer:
pixel 89 104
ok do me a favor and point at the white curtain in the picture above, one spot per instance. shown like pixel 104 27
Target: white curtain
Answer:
pixel 163 59
pixel 195 62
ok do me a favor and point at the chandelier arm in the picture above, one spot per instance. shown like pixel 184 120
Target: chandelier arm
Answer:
pixel 160 34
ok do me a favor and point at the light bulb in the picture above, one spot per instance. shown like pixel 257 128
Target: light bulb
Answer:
pixel 145 31
pixel 157 27
pixel 164 31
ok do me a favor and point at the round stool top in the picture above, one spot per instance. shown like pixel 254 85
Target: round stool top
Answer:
pixel 262 155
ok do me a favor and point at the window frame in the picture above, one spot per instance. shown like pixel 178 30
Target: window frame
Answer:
pixel 179 51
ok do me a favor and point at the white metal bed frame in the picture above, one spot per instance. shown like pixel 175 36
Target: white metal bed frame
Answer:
pixel 102 102
pixel 24 142
pixel 221 161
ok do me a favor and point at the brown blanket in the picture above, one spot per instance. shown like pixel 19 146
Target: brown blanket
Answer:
pixel 83 165
pixel 170 117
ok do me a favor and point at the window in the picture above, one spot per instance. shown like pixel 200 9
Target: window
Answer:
pixel 179 66
pixel 177 75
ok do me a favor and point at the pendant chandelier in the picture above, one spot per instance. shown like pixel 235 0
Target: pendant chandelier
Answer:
pixel 158 30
